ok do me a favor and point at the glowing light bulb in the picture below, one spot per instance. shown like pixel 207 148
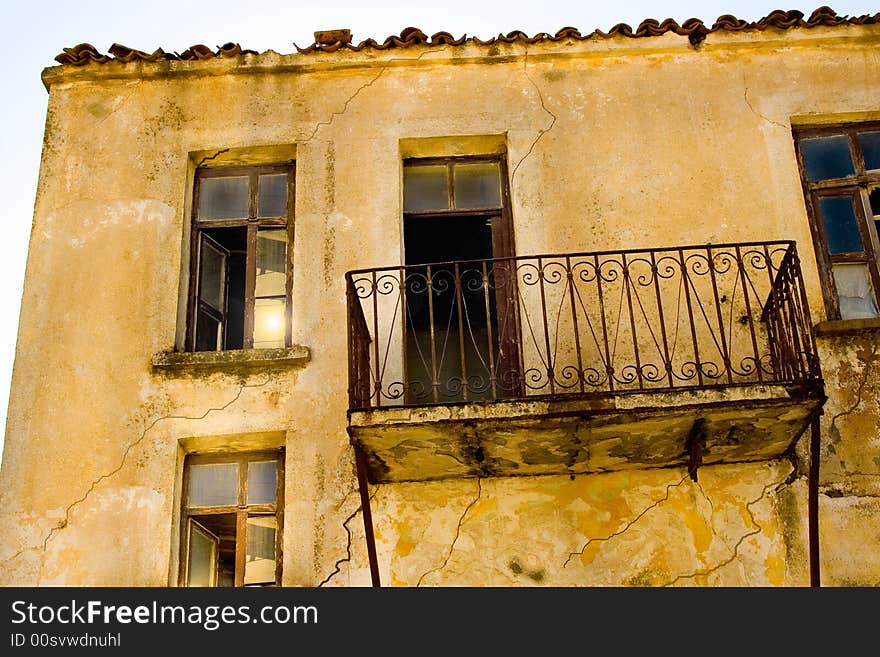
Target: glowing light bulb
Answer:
pixel 274 323
pixel 269 326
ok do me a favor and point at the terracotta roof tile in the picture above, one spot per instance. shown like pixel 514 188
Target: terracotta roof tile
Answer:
pixel 693 28
pixel 125 54
pixel 197 52
pixel 81 54
pixel 85 53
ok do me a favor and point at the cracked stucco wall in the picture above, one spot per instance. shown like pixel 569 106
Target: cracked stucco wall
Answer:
pixel 648 528
pixel 849 482
pixel 611 144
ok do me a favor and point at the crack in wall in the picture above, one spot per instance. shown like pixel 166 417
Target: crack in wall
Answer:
pixel 457 534
pixel 628 525
pixel 337 567
pixel 65 521
pixel 712 517
pixel 208 158
pixel 345 106
pixel 119 105
pixel 19 553
pixel 352 97
pixel 735 551
pixel 754 110
pixel 711 510
pixel 870 360
pixel 542 131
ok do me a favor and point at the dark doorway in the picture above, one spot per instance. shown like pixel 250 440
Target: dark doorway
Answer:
pixel 459 311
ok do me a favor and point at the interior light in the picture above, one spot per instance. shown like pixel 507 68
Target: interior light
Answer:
pixel 274 323
pixel 269 325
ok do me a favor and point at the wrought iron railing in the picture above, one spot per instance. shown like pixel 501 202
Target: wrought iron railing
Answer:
pixel 580 323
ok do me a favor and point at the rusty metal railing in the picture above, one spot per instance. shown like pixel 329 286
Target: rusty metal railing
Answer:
pixel 578 323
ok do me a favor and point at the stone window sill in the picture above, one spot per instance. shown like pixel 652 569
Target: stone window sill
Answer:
pixel 846 327
pixel 231 361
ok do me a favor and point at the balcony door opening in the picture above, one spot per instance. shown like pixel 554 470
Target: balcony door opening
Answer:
pixel 460 324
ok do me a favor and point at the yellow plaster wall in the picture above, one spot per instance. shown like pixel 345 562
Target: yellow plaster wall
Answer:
pixel 850 461
pixel 611 144
pixel 647 528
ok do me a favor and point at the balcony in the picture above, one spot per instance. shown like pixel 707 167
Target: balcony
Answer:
pixel 581 362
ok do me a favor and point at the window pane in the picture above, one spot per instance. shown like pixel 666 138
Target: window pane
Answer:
pixel 221 528
pixel 273 195
pixel 477 185
pixel 271 287
pixel 854 291
pixel 202 566
pixel 874 196
pixel 214 484
pixel 262 481
pixel 269 323
pixel 827 157
pixel 223 198
pixel 841 227
pixel 271 263
pixel 260 560
pixel 870 143
pixel 212 275
pixel 425 188
pixel 209 333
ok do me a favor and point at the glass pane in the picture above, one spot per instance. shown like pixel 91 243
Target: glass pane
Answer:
pixel 269 323
pixel 209 333
pixel 223 198
pixel 212 275
pixel 220 528
pixel 841 227
pixel 425 188
pixel 271 263
pixel 870 143
pixel 827 157
pixel 262 481
pixel 273 195
pixel 214 484
pixel 202 557
pixel 854 291
pixel 477 185
pixel 259 565
pixel 874 196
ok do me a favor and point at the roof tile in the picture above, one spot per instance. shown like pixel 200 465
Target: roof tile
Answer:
pixel 693 28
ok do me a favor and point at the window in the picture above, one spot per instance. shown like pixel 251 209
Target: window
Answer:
pixel 461 341
pixel 232 519
pixel 240 280
pixel 840 171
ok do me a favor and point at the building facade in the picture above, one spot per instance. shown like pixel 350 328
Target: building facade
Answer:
pixel 564 310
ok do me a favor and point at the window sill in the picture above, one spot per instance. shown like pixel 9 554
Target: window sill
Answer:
pixel 846 327
pixel 231 361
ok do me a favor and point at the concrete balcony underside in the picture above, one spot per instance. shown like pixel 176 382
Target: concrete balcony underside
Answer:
pixel 583 435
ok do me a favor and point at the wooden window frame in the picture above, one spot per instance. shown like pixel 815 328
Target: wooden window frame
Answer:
pixel 241 510
pixel 252 223
pixel 857 185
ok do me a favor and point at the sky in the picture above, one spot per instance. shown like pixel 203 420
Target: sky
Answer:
pixel 34 32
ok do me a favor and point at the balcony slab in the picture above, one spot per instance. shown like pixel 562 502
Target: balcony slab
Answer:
pixel 583 434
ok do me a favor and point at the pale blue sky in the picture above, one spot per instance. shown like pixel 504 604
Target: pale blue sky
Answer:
pixel 34 32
